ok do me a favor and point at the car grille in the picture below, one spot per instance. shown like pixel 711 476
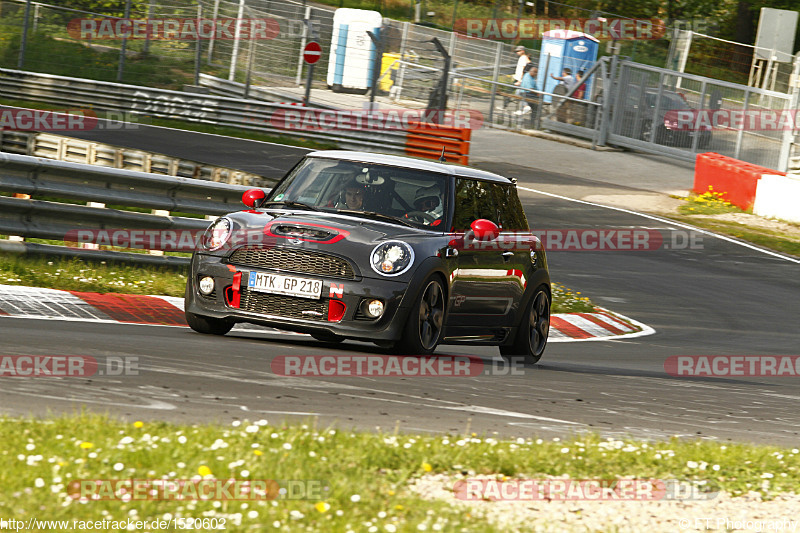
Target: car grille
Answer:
pixel 299 261
pixel 283 306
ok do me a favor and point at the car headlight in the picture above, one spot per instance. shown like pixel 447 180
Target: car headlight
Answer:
pixel 217 234
pixel 392 258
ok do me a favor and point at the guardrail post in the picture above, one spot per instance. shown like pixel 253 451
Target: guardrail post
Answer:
pixel 119 158
pixel 18 238
pixel 160 213
pixel 92 245
pixel 172 170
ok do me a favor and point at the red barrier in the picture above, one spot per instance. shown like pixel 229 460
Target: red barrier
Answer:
pixel 427 140
pixel 737 179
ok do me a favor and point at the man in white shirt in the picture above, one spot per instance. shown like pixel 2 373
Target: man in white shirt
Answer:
pixel 523 60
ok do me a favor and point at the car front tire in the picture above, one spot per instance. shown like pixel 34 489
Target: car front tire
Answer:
pixel 531 338
pixel 425 322
pixel 208 325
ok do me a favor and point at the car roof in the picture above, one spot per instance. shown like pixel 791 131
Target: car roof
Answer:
pixel 411 163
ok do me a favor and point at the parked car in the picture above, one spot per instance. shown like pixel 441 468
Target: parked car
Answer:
pixel 668 131
pixel 403 252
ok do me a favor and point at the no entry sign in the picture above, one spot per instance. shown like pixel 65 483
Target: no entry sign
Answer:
pixel 312 52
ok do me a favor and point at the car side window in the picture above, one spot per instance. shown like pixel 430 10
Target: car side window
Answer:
pixel 511 216
pixel 474 200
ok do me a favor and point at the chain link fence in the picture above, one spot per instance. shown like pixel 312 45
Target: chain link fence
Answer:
pixel 99 53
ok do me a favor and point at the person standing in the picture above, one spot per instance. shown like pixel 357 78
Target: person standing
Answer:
pixel 522 59
pixel 531 97
pixel 567 82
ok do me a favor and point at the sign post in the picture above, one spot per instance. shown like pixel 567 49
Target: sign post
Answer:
pixel 312 53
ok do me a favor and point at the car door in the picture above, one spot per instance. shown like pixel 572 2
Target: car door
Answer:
pixel 480 293
pixel 513 243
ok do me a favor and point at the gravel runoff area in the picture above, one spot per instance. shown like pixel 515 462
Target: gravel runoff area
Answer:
pixel 721 513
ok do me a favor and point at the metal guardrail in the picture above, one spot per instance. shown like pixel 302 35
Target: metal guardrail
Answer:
pixel 74 150
pixel 256 115
pixel 223 87
pixel 74 181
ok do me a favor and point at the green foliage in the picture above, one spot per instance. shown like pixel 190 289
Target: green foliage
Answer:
pixel 74 274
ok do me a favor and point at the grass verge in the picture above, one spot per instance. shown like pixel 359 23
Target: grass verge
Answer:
pixel 77 275
pixel 366 474
pixel 712 203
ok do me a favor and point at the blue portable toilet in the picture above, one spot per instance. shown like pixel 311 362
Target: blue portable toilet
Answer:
pixel 352 56
pixel 567 49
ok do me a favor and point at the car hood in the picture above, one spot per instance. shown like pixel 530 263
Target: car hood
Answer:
pixel 321 228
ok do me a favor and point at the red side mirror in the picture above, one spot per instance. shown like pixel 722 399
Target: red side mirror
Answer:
pixel 251 198
pixel 484 230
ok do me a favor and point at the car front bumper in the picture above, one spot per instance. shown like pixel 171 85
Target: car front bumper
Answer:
pixel 299 314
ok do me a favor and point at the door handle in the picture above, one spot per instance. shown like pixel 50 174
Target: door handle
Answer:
pixel 507 255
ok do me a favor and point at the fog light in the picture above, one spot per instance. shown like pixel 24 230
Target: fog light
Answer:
pixel 374 308
pixel 206 285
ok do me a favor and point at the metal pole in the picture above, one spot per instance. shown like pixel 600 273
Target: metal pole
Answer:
pixel 303 40
pixel 250 54
pixel 376 67
pixel 309 79
pixel 36 17
pixel 541 103
pixel 788 134
pixel 236 37
pixel 122 48
pixel 213 34
pixel 198 46
pixel 495 76
pixel 146 48
pixel 23 44
pixel 740 133
pixel 696 139
pixel 608 93
pixel 401 72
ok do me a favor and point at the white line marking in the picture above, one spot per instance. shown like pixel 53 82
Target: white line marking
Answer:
pixel 469 409
pixel 667 221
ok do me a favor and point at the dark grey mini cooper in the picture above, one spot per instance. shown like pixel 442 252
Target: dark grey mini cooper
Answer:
pixel 403 252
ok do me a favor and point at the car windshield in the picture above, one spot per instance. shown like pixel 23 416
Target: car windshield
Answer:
pixel 378 192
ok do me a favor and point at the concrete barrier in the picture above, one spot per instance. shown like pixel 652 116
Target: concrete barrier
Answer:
pixel 737 179
pixel 778 196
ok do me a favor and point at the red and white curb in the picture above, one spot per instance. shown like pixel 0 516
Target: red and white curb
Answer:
pixel 36 302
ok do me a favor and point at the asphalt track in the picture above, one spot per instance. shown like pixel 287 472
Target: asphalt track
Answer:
pixel 718 298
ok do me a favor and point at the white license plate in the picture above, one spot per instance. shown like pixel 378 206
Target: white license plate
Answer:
pixel 288 285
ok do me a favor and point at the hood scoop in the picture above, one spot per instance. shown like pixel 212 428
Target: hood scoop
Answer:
pixel 309 233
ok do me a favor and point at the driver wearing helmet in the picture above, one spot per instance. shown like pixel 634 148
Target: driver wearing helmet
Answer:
pixel 428 202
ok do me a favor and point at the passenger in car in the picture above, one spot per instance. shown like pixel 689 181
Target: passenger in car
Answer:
pixel 427 201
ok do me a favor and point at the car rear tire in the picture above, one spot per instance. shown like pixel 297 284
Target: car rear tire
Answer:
pixel 531 338
pixel 208 325
pixel 425 322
